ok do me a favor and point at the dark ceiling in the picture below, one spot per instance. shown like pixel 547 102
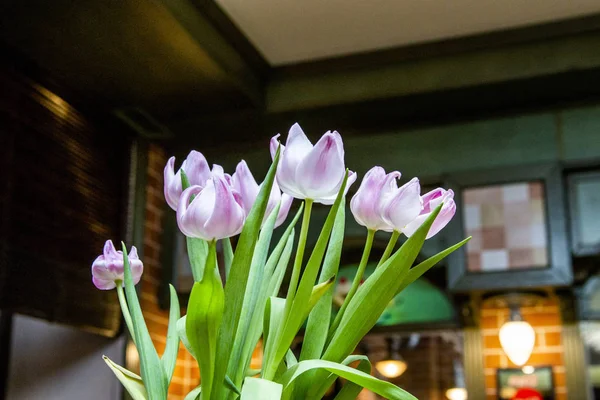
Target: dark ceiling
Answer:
pixel 125 53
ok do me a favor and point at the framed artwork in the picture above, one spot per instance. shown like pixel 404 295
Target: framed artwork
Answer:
pixel 535 384
pixel 517 221
pixel 584 207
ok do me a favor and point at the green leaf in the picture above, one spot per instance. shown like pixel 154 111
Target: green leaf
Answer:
pixel 229 383
pixel 197 253
pixel 253 293
pixel 320 317
pixel 205 311
pixel 290 359
pixel 351 390
pixel 169 357
pixel 301 305
pixel 153 373
pixel 130 381
pixel 374 295
pixel 317 391
pixel 183 336
pixel 318 292
pixel 273 276
pixel 273 315
pixel 416 272
pixel 261 389
pixel 382 388
pixel 194 394
pixel 238 278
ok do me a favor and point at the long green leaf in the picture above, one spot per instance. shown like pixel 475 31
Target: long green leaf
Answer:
pixel 325 383
pixel 374 295
pixel 250 307
pixel 417 271
pixel 300 306
pixel 261 389
pixel 169 357
pixel 382 388
pixel 153 373
pixel 320 317
pixel 181 332
pixel 351 390
pixel 205 311
pixel 130 381
pixel 238 278
pixel 194 394
pixel 275 268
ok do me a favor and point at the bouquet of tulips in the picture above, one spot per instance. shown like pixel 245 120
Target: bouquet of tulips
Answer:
pixel 226 321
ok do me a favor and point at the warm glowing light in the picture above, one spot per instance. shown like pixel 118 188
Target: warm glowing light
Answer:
pixel 456 394
pixel 528 369
pixel 391 368
pixel 517 339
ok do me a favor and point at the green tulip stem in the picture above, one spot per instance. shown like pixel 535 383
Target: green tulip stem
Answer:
pixel 356 281
pixel 390 247
pixel 300 251
pixel 124 308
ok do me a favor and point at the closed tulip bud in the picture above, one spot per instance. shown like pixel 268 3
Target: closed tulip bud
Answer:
pixel 365 204
pixel 107 269
pixel 431 201
pixel 196 169
pixel 311 172
pixel 244 183
pixel 400 206
pixel 214 213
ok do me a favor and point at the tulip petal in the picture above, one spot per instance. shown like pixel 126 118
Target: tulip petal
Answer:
pixel 321 172
pixel 172 187
pixel 297 147
pixel 404 206
pixel 227 217
pixel 364 204
pixel 244 183
pixel 196 168
pixel 284 209
pixel 188 217
pixel 329 200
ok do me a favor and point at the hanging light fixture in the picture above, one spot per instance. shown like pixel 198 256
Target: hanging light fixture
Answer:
pixel 517 338
pixel 458 392
pixel 394 366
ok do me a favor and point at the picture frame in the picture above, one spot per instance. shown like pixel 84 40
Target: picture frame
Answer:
pixel 584 198
pixel 558 272
pixel 535 384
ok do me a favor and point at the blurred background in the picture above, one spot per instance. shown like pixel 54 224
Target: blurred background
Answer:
pixel 499 100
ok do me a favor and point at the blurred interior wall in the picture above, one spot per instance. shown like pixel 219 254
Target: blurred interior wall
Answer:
pixel 56 362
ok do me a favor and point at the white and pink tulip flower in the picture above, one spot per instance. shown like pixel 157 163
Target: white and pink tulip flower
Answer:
pixel 431 201
pixel 400 206
pixel 243 182
pixel 108 267
pixel 216 211
pixel 311 172
pixel 197 170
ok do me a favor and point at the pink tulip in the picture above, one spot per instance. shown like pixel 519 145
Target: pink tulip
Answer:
pixel 431 201
pixel 399 206
pixel 244 183
pixel 197 170
pixel 365 203
pixel 311 172
pixel 214 213
pixel 107 268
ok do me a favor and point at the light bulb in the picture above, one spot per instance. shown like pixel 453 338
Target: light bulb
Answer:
pixel 517 339
pixel 391 368
pixel 456 394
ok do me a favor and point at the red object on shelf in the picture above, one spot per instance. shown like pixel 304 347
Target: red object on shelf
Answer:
pixel 528 394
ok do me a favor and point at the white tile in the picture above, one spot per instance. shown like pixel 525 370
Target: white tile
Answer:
pixel 515 192
pixel 492 260
pixel 538 235
pixel 472 217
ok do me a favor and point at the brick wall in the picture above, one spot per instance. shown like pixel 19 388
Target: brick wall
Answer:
pixel 546 321
pixel 186 376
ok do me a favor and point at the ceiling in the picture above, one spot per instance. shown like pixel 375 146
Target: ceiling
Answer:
pixel 292 31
